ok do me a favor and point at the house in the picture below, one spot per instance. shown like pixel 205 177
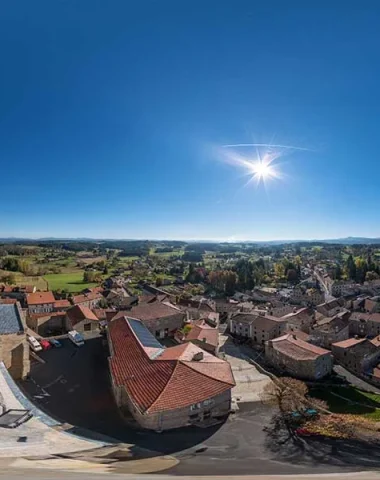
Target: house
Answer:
pixel 372 305
pixel 40 302
pixel 165 388
pixel 329 330
pixel 302 319
pixel 47 324
pixel 358 355
pixel 162 318
pixel 241 324
pixel 364 324
pixel 306 296
pixel 82 319
pixel 61 305
pixel 200 333
pixel 257 327
pixel 14 348
pixel 331 308
pixel 16 292
pixel 266 327
pixel 298 358
pixel 119 296
pixel 90 300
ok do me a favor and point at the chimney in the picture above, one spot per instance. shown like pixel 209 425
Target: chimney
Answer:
pixel 197 357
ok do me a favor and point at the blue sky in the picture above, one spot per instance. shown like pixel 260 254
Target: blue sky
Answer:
pixel 113 114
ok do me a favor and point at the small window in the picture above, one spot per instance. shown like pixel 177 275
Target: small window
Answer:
pixel 87 327
pixel 157 333
pixel 208 402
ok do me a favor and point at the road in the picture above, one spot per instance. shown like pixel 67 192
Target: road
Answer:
pixel 74 386
pixel 328 296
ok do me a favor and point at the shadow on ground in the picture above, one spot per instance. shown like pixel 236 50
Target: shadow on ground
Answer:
pixel 281 441
pixel 73 386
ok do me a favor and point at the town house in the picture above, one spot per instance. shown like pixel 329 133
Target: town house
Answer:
pixel 329 330
pixel 298 358
pixel 82 319
pixel 90 300
pixel 162 318
pixel 359 355
pixel 364 324
pixel 200 333
pixel 40 302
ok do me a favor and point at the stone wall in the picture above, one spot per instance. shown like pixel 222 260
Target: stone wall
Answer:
pixel 14 352
pixel 217 406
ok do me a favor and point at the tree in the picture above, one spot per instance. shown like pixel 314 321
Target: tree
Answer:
pixel 290 395
pixel 350 268
pixel 158 282
pixel 292 275
pixel 369 276
pixel 230 282
pixel 279 270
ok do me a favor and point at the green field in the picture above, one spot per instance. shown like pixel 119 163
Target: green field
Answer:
pixel 72 282
pixel 355 401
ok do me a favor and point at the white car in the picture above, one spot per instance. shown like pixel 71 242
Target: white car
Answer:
pixel 76 338
pixel 34 344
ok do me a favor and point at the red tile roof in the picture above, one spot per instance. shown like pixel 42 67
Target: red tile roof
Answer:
pixel 204 333
pixel 86 297
pixel 168 381
pixel 39 298
pixel 62 303
pixel 78 313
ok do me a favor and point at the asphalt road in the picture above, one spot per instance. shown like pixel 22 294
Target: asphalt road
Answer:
pixel 74 386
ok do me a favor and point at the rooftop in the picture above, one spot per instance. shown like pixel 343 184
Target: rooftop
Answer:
pixel 294 347
pixel 85 297
pixel 77 313
pixel 39 298
pixel 170 380
pixel 10 320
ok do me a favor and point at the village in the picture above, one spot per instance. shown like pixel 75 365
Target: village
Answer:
pixel 192 336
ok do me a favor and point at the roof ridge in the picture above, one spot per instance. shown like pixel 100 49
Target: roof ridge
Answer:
pixel 165 387
pixel 187 364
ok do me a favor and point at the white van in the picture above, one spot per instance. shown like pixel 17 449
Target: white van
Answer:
pixel 34 344
pixel 76 338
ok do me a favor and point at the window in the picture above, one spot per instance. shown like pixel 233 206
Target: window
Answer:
pixel 166 332
pixel 195 406
pixel 208 402
pixel 157 333
pixel 207 415
pixel 87 327
pixel 194 417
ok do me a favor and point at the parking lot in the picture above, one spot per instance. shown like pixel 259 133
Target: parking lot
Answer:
pixel 73 386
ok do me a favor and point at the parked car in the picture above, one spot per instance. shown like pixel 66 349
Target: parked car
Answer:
pixel 45 344
pixel 34 344
pixel 76 338
pixel 55 343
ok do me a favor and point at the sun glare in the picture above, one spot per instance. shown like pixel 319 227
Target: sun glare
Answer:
pixel 262 171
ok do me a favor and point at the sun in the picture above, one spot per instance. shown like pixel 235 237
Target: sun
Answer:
pixel 262 171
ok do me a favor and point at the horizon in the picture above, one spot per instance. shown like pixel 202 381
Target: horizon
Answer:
pixel 197 120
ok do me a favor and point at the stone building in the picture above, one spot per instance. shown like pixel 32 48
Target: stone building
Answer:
pixel 166 388
pixel 259 328
pixel 364 324
pixel 202 334
pixel 329 330
pixel 14 348
pixel 40 302
pixel 162 318
pixel 90 300
pixel 81 319
pixel 298 358
pixel 359 355
pixel 47 324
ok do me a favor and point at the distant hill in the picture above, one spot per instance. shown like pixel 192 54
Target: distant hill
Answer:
pixel 341 241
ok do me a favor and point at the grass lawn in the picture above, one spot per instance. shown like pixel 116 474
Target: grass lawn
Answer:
pixel 72 282
pixel 21 279
pixel 357 403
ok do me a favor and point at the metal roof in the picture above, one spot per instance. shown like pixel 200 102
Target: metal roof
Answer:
pixel 10 321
